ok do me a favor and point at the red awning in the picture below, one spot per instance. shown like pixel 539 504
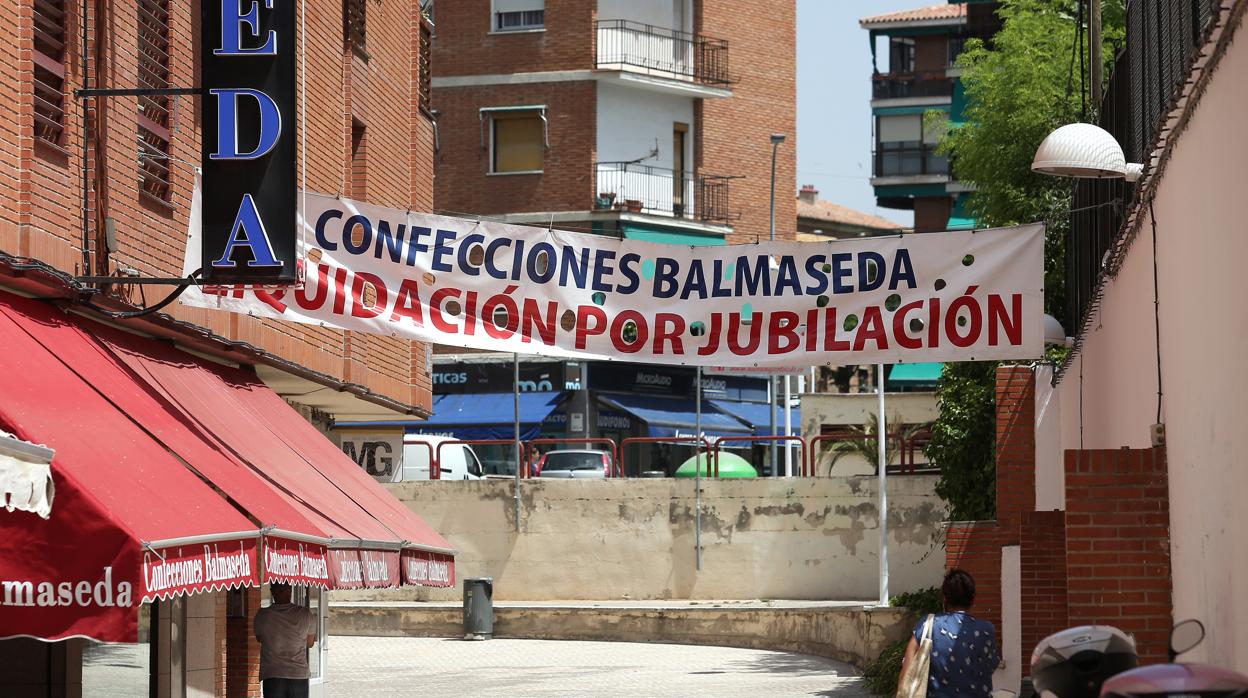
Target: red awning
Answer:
pixel 130 522
pixel 206 444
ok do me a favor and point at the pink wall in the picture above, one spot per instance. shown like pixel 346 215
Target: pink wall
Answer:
pixel 1202 245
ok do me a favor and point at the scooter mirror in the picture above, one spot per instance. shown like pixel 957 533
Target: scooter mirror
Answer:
pixel 1185 636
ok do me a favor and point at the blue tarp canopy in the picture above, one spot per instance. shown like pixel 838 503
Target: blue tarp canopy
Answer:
pixel 758 415
pixel 480 416
pixel 919 375
pixel 675 416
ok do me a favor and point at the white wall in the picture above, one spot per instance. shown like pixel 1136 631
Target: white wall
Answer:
pixel 1202 245
pixel 631 120
pixel 669 14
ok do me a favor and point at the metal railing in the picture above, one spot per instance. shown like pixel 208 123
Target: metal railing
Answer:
pixel 910 161
pixel 628 45
pixel 1163 40
pixel 902 85
pixel 631 186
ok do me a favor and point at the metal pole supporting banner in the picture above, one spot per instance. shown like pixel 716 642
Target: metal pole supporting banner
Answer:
pixel 515 396
pixel 776 140
pixel 697 472
pixel 788 425
pixel 882 461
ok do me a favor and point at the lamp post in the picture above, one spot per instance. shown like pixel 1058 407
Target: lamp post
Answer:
pixel 776 140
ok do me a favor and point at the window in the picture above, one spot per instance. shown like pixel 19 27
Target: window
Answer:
pixel 906 146
pixel 517 140
pixel 519 15
pixel 49 57
pixel 900 55
pixel 354 16
pixel 424 71
pixel 154 110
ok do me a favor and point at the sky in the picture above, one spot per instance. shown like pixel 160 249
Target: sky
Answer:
pixel 834 100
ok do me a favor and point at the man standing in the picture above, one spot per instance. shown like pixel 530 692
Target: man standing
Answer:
pixel 285 631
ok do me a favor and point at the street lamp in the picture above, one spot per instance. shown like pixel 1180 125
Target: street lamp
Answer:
pixel 1084 151
pixel 776 140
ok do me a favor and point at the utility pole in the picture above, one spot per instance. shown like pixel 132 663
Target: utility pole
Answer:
pixel 776 140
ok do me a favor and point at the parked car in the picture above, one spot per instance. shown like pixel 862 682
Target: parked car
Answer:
pixel 576 463
pixel 456 461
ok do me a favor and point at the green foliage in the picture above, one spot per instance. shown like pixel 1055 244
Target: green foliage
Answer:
pixel 1018 91
pixel 865 443
pixel 964 440
pixel 881 676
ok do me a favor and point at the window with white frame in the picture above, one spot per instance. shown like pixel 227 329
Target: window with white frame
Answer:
pixel 517 138
pixel 518 15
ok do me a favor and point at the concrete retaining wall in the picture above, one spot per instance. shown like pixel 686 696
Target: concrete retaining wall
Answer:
pixel 852 634
pixel 634 539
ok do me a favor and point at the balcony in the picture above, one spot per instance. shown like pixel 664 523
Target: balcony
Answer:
pixel 908 85
pixel 909 159
pixel 636 188
pixel 637 49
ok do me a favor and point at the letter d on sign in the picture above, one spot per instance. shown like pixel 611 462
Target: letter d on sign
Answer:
pixel 270 126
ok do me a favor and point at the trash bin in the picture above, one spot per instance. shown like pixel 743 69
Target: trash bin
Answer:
pixel 478 608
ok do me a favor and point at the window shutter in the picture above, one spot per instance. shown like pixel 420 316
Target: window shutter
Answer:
pixel 49 73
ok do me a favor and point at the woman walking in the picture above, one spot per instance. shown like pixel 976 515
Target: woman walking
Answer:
pixel 963 647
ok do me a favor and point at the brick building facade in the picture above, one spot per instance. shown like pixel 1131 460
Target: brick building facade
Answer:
pixel 105 191
pixel 670 105
pixel 41 138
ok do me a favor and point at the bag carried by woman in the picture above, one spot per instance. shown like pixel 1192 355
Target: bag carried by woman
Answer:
pixel 913 680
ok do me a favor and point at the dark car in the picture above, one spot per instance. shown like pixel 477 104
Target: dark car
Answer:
pixel 577 464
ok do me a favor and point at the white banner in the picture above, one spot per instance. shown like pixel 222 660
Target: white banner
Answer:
pixel 951 296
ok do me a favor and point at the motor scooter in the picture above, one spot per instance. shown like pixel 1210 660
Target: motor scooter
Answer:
pixel 1075 662
pixel 1175 680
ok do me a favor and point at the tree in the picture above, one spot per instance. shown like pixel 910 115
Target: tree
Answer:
pixel 1018 90
pixel 863 442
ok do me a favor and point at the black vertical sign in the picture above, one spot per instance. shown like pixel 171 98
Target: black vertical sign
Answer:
pixel 249 200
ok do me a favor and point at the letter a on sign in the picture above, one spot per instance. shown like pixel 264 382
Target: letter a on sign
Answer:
pixel 249 214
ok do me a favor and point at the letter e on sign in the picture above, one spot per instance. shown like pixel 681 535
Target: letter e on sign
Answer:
pixel 250 198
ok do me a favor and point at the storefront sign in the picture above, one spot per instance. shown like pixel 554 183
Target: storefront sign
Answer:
pixel 468 377
pixel 380 455
pixel 248 215
pixel 192 568
pixel 358 569
pixel 428 569
pixel 955 296
pixel 295 562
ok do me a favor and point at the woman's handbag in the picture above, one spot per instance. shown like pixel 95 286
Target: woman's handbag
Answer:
pixel 913 681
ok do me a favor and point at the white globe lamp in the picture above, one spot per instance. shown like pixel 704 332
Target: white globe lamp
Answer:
pixel 1084 151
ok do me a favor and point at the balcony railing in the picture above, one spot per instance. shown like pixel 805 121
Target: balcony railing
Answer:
pixel 909 160
pixel 630 186
pixel 628 45
pixel 902 85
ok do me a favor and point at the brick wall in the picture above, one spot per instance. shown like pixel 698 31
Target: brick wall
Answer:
pixel 567 180
pixel 40 189
pixel 733 135
pixel 1015 448
pixel 242 652
pixel 1118 544
pixel 975 546
pixel 1043 578
pixel 464 45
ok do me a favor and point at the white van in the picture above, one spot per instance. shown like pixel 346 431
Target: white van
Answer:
pixel 457 461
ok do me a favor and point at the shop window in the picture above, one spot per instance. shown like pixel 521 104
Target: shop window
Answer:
pixel 154 110
pixel 517 140
pixel 50 39
pixel 519 15
pixel 354 19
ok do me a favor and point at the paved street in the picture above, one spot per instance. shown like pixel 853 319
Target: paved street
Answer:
pixel 386 666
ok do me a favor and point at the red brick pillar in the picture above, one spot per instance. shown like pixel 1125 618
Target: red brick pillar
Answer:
pixel 975 546
pixel 1043 578
pixel 242 652
pixel 1016 448
pixel 1118 544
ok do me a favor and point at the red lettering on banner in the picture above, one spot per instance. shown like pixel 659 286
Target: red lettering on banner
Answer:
pixel 583 329
pixel 734 334
pixel 904 340
pixel 435 310
pixel 620 324
pixel 830 342
pixel 783 326
pixel 321 287
pixel 668 327
pixel 359 306
pixel 340 292
pixel 999 319
pixel 871 328
pixel 712 335
pixel 273 299
pixel 407 304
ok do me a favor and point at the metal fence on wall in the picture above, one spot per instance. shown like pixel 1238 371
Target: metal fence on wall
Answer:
pixel 1163 39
